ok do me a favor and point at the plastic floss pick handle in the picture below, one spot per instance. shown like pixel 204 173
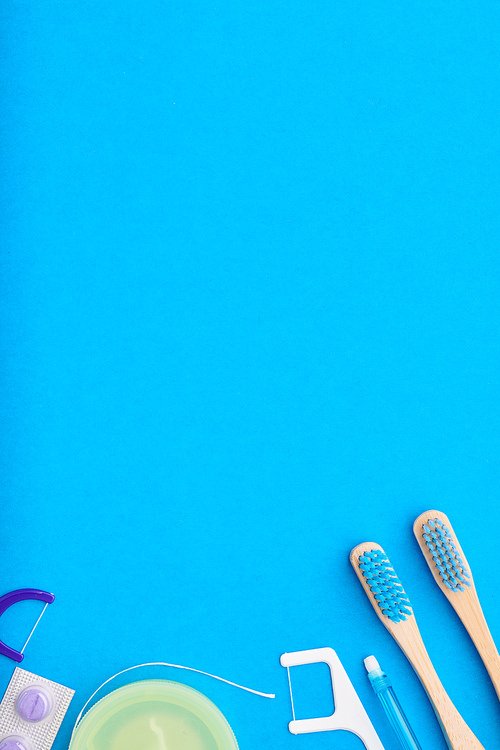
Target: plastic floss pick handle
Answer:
pixel 349 713
pixel 21 595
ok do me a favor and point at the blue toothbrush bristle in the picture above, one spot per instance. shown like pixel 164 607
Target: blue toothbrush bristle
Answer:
pixel 385 585
pixel 445 555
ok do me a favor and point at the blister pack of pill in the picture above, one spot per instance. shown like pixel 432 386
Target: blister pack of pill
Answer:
pixel 32 711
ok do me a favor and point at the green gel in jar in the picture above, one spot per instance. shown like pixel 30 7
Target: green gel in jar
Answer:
pixel 154 715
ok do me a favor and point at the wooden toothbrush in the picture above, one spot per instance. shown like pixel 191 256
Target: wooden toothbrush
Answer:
pixel 390 601
pixel 451 571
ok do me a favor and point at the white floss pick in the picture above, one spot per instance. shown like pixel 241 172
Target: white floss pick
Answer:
pixel 31 711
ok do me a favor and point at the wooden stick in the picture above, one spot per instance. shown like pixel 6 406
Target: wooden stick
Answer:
pixel 465 603
pixel 407 636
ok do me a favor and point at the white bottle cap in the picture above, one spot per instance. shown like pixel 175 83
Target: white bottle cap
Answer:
pixel 371 663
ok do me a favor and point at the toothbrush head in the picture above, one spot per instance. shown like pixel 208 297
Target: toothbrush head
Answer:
pixel 382 585
pixel 443 553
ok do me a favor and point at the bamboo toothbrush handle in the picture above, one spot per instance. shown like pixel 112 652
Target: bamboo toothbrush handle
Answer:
pixel 444 548
pixel 457 733
pixel 476 625
pixel 392 606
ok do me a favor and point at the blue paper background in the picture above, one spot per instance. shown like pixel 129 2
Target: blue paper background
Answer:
pixel 250 318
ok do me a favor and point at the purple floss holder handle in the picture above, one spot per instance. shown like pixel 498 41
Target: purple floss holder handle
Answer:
pixel 20 595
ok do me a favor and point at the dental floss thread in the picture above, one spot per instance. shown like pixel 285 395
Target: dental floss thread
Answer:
pixel 164 664
pixel 32 711
pixel 34 628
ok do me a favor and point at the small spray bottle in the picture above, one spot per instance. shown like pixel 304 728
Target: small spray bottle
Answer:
pixel 383 688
